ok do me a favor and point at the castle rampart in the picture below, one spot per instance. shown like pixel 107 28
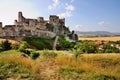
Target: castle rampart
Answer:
pixel 35 27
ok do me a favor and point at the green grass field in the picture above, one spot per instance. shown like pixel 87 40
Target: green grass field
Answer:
pixel 63 67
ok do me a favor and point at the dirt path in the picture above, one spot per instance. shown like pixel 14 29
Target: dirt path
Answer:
pixel 48 70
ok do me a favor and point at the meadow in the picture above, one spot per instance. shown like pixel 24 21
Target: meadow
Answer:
pixel 101 38
pixel 15 66
pixel 30 61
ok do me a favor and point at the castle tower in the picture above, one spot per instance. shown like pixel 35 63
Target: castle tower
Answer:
pixel 15 22
pixel 54 19
pixel 40 19
pixel 20 17
pixel 62 21
pixel 0 24
pixel 1 30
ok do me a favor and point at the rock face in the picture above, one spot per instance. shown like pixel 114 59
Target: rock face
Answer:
pixel 39 27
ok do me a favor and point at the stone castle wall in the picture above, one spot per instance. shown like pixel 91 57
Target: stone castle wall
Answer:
pixel 33 27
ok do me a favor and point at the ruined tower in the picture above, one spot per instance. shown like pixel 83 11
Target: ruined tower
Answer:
pixel 20 17
pixel 1 30
pixel 54 19
pixel 62 21
pixel 0 24
pixel 40 19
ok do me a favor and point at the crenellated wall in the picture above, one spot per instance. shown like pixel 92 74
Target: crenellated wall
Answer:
pixel 35 27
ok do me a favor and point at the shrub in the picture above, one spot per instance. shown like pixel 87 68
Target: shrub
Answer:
pixel 15 46
pixel 47 53
pixel 6 45
pixel 34 54
pixel 23 46
pixel 103 77
pixel 64 44
pixel 77 51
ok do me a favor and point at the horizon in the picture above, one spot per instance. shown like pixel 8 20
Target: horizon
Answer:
pixel 98 31
pixel 82 15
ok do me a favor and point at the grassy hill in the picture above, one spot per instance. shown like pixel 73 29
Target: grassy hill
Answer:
pixel 15 66
pixel 40 43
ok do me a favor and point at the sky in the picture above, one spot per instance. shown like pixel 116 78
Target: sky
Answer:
pixel 80 15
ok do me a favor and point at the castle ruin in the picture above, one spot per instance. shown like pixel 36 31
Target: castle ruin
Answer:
pixel 26 27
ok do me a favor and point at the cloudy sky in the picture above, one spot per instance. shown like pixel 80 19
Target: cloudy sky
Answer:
pixel 81 15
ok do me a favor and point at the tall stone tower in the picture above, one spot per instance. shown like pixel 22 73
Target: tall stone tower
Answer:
pixel 1 30
pixel 0 24
pixel 54 19
pixel 20 17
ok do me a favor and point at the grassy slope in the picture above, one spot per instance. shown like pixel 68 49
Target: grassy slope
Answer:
pixel 40 43
pixel 87 67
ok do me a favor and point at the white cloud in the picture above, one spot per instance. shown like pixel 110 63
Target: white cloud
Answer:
pixel 54 5
pixel 78 26
pixel 72 1
pixel 69 7
pixel 9 10
pixel 68 13
pixel 103 23
pixel 65 14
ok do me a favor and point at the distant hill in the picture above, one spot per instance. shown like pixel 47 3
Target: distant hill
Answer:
pixel 97 33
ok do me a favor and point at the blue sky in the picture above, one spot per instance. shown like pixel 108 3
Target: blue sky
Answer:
pixel 81 15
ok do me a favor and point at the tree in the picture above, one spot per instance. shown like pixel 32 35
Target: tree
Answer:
pixel 88 47
pixel 77 51
pixel 6 45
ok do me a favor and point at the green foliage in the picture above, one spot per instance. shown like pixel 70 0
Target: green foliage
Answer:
pixel 110 49
pixel 11 52
pixel 6 45
pixel 12 70
pixel 34 54
pixel 71 73
pixel 91 47
pixel 118 42
pixel 64 44
pixel 86 47
pixel 23 46
pixel 40 43
pixel 77 51
pixel 49 54
pixel 15 46
pixel 103 77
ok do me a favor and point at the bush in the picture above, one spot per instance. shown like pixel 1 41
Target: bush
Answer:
pixel 86 47
pixel 103 77
pixel 47 53
pixel 6 45
pixel 34 54
pixel 15 46
pixel 23 46
pixel 64 44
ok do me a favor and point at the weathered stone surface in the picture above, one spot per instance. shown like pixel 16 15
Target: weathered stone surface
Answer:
pixel 36 27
